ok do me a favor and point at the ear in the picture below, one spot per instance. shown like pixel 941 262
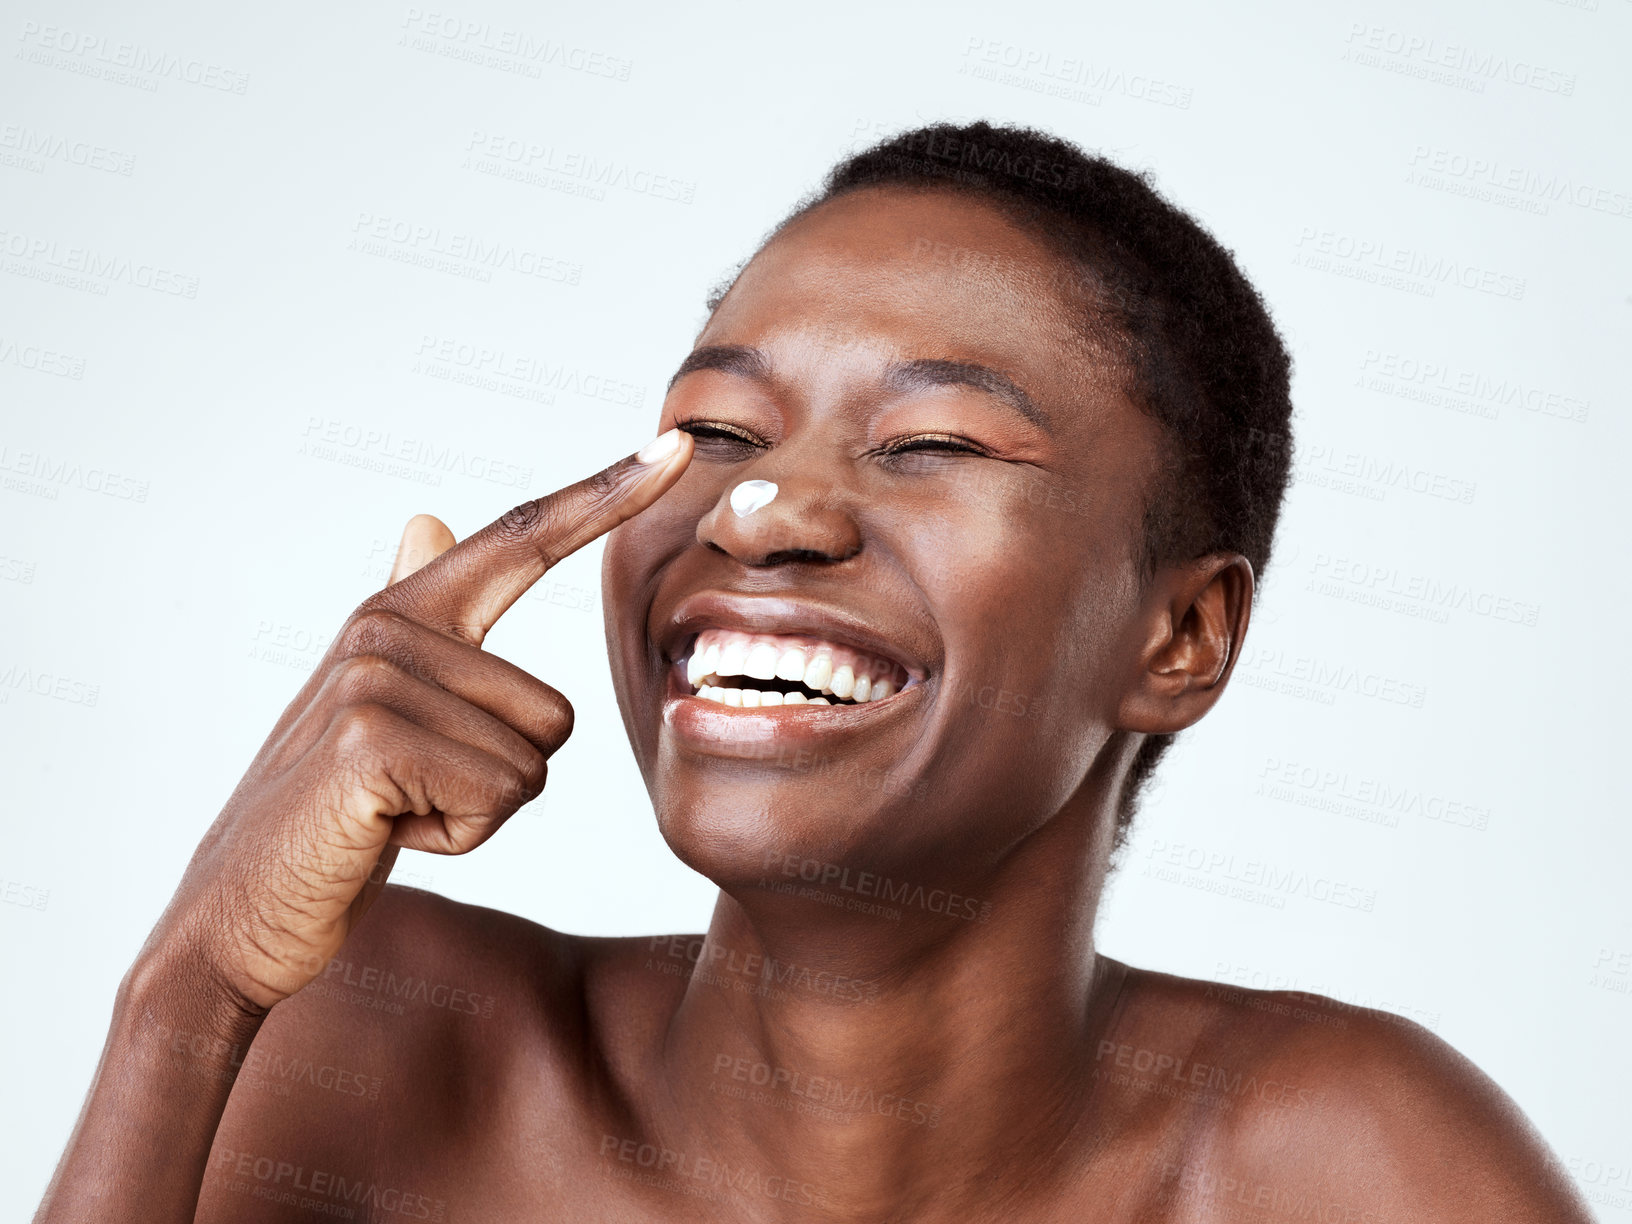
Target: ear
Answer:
pixel 1192 623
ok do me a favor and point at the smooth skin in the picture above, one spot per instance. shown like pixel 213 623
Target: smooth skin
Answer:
pixel 277 1055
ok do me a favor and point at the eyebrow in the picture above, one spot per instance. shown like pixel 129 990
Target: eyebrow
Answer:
pixel 729 359
pixel 901 376
pixel 930 372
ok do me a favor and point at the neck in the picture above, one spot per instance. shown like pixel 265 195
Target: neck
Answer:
pixel 919 1050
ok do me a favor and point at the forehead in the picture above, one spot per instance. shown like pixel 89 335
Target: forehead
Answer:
pixel 882 273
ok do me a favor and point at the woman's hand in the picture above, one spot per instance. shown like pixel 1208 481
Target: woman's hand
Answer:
pixel 408 734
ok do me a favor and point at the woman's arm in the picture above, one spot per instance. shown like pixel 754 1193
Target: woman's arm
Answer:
pixel 407 734
pixel 139 1148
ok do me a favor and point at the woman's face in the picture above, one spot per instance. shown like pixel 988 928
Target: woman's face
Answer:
pixel 853 356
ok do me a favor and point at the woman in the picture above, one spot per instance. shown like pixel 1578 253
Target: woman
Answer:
pixel 951 525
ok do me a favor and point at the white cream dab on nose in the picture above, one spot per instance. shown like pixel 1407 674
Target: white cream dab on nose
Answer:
pixel 752 495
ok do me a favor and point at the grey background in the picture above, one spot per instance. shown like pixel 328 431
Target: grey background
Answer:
pixel 241 342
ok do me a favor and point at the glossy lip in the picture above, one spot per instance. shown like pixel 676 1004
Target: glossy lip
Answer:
pixel 780 614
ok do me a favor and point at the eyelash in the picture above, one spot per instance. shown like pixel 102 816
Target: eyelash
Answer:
pixel 946 443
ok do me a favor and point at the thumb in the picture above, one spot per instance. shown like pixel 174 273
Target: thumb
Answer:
pixel 424 540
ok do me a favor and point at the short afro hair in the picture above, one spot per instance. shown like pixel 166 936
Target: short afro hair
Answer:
pixel 1205 358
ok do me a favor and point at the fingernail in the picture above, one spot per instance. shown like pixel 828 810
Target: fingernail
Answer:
pixel 660 447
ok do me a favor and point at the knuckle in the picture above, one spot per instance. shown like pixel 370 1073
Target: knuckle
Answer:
pixel 532 772
pixel 537 524
pixel 465 833
pixel 370 631
pixel 532 526
pixel 512 789
pixel 521 522
pixel 357 679
pixel 555 717
pixel 603 487
pixel 362 728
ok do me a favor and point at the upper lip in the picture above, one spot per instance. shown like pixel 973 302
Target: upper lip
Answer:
pixel 789 615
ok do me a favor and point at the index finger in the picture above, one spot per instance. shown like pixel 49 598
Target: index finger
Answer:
pixel 467 588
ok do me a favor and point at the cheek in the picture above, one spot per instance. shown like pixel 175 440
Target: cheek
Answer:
pixel 998 542
pixel 614 605
pixel 614 569
pixel 637 548
pixel 627 557
pixel 1031 587
pixel 632 562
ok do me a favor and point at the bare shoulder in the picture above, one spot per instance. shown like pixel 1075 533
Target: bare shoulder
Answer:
pixel 360 1087
pixel 1347 1113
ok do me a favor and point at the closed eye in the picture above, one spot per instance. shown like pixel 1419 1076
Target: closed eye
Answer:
pixel 726 434
pixel 947 443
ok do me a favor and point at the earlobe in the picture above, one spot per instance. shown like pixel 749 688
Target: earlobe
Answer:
pixel 1197 619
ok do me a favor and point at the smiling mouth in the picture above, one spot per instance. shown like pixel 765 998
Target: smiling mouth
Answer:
pixel 760 670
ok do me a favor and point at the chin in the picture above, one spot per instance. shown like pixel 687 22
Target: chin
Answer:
pixel 735 835
pixel 832 844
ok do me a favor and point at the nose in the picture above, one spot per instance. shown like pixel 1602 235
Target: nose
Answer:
pixel 805 521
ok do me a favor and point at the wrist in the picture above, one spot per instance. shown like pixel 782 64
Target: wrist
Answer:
pixel 174 1050
pixel 173 995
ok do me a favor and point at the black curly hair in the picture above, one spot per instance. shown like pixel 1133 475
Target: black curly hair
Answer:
pixel 1206 360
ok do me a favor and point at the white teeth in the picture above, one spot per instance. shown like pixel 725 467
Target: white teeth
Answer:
pixel 791 666
pixel 752 698
pixel 730 661
pixel 761 662
pixel 818 673
pixel 812 667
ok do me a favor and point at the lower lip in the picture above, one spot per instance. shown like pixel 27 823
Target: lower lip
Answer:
pixel 711 725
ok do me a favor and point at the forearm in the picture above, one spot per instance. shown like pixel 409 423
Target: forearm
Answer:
pixel 140 1147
